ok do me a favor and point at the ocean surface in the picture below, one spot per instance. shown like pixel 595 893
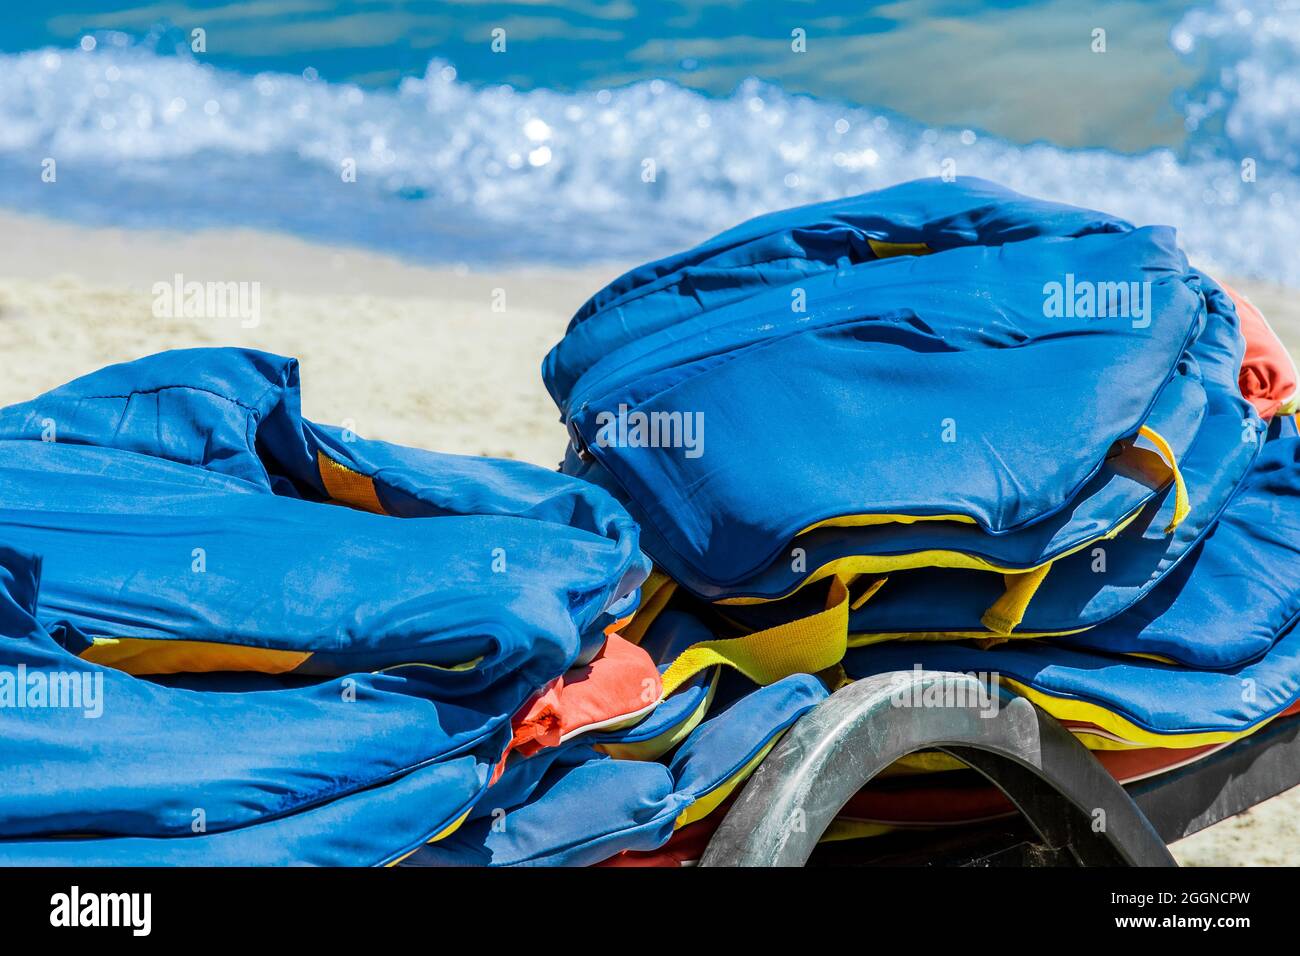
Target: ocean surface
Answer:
pixel 624 130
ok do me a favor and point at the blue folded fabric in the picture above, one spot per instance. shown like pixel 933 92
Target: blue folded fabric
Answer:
pixel 734 397
pixel 339 631
pixel 107 768
pixel 1229 611
pixel 1101 581
pixel 184 500
pixel 580 806
pixel 785 247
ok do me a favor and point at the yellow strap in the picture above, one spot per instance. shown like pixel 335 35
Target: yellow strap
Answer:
pixel 1182 504
pixel 1009 610
pixel 347 486
pixel 869 593
pixel 805 646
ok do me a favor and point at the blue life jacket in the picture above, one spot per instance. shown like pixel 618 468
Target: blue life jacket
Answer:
pixel 576 806
pixel 330 684
pixel 183 511
pixel 941 399
pixel 1229 611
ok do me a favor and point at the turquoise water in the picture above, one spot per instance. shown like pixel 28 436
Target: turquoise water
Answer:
pixel 1003 66
pixel 626 129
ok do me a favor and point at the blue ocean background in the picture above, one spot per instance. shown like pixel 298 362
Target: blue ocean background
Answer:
pixel 622 130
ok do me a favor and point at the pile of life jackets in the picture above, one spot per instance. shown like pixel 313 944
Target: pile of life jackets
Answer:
pixel 230 636
pixel 950 427
pixel 941 425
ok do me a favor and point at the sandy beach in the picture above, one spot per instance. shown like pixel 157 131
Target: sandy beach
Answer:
pixel 446 359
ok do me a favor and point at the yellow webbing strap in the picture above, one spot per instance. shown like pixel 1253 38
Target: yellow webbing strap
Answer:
pixel 347 486
pixel 1182 504
pixel 868 593
pixel 806 646
pixel 1009 610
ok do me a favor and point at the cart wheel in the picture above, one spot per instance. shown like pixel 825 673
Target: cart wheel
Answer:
pixel 1074 806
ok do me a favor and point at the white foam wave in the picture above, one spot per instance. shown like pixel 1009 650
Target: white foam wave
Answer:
pixel 447 171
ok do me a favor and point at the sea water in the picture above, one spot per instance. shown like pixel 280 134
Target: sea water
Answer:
pixel 637 146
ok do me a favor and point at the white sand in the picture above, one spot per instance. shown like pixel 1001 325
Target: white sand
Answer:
pixel 405 354
pixel 398 352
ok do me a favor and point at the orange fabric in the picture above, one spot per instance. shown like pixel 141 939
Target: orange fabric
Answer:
pixel 1268 373
pixel 620 681
pixel 618 625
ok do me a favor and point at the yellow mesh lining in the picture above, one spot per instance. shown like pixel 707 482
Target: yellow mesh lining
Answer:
pixel 887 250
pixel 347 486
